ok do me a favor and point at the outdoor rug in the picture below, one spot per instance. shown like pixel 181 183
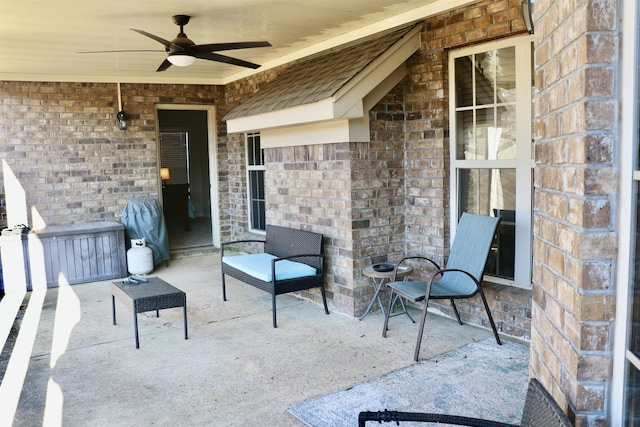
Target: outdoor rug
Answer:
pixel 481 379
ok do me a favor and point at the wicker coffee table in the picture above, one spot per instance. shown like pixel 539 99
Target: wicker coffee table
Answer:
pixel 156 294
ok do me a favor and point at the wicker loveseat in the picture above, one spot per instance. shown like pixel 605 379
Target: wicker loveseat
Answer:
pixel 291 260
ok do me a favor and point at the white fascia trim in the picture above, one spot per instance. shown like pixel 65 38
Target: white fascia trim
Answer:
pixel 348 102
pixel 374 96
pixel 316 133
pixel 301 114
pixel 90 78
pixel 377 72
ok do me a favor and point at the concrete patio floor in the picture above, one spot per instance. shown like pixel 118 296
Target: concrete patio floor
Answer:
pixel 234 370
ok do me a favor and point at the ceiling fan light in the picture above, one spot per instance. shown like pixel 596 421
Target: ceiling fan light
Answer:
pixel 181 59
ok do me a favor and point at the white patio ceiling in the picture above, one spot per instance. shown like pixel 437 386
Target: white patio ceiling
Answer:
pixel 39 39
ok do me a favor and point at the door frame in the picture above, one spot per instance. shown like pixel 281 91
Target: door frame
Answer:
pixel 629 178
pixel 213 160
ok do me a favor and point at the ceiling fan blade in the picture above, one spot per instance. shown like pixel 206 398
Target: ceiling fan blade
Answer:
pixel 165 64
pixel 166 43
pixel 226 59
pixel 216 47
pixel 119 51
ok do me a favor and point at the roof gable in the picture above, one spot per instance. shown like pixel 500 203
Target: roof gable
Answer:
pixel 327 88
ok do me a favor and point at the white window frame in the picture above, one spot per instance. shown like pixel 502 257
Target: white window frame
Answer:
pixel 629 179
pixel 523 161
pixel 250 139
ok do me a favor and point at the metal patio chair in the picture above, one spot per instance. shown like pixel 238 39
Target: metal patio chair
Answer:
pixel 540 410
pixel 461 278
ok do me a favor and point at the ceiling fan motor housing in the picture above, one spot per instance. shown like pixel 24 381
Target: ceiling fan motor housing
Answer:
pixel 179 43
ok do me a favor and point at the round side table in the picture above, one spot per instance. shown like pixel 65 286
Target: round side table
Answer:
pixel 378 279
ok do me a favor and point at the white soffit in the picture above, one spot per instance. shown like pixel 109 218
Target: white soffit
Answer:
pixel 351 101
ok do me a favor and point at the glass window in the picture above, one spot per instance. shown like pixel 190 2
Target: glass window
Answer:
pixel 491 149
pixel 255 182
pixel 625 378
pixel 492 192
pixel 632 386
pixel 632 368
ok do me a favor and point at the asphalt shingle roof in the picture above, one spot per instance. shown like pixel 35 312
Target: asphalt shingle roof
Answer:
pixel 315 79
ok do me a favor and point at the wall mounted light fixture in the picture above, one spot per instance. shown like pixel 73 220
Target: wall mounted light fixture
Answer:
pixel 527 14
pixel 121 117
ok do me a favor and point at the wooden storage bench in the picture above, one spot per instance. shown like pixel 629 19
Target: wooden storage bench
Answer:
pixel 291 260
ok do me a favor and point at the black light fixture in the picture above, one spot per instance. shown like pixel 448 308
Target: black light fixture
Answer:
pixel 121 117
pixel 527 14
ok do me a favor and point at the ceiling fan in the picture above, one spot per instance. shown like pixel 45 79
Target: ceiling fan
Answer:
pixel 183 52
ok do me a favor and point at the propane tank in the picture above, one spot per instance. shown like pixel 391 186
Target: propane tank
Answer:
pixel 139 257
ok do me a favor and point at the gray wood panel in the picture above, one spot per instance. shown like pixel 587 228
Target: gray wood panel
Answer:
pixel 77 253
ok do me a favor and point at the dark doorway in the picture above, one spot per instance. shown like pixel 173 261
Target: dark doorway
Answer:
pixel 184 163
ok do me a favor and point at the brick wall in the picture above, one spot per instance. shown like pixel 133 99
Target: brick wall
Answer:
pixel 233 174
pixel 378 194
pixel 398 183
pixel 375 201
pixel 353 194
pixel 575 239
pixel 308 188
pixel 61 143
pixel 427 121
pixel 385 197
pixel 427 150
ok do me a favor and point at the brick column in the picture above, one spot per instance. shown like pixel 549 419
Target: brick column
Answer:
pixel 576 117
pixel 353 194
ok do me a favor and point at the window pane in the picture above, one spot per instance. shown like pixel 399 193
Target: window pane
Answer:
pixel 492 136
pixel 254 153
pixel 465 137
pixel 495 76
pixel 464 82
pixel 486 129
pixel 634 325
pixel 484 78
pixel 251 155
pixel 252 185
pixel 487 135
pixel 506 74
pixel 256 179
pixel 260 185
pixel 492 192
pixel 257 215
pixel 633 396
pixel 632 381
pixel 633 378
pixel 481 191
pixel 256 199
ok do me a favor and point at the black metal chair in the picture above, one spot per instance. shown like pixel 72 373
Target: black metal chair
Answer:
pixel 461 278
pixel 540 410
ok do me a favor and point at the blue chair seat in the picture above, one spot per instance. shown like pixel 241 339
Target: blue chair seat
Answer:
pixel 259 266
